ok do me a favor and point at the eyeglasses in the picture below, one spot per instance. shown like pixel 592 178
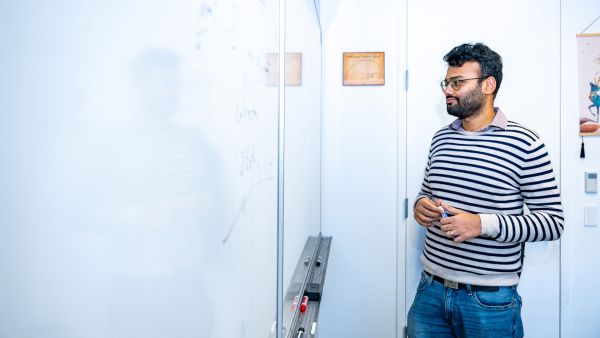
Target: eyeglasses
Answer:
pixel 456 83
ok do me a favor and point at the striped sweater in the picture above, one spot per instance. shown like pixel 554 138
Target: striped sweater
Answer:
pixel 493 173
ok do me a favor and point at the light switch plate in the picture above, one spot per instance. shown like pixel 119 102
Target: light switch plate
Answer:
pixel 590 218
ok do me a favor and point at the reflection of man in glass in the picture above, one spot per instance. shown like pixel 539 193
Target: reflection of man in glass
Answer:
pixel 165 194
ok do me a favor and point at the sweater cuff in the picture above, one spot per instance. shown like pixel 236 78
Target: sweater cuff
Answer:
pixel 490 225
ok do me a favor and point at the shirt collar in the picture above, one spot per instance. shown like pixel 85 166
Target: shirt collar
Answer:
pixel 499 121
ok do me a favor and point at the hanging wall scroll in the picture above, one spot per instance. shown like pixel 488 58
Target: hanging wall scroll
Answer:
pixel 588 59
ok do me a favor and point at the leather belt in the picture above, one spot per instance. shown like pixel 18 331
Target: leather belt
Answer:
pixel 461 286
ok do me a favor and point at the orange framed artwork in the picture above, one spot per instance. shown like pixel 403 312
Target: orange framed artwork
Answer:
pixel 364 68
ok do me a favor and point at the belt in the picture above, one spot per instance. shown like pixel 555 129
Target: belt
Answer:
pixel 461 286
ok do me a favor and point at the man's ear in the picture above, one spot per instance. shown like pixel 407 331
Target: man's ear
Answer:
pixel 489 85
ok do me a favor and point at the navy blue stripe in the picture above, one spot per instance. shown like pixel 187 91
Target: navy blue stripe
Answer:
pixel 515 193
pixel 501 134
pixel 467 265
pixel 467 180
pixel 499 227
pixel 552 221
pixel 537 157
pixel 549 171
pixel 478 197
pixel 520 238
pixel 495 164
pixel 514 229
pixel 551 179
pixel 531 135
pixel 536 233
pixel 544 205
pixel 449 198
pixel 547 163
pixel 493 246
pixel 542 197
pixel 448 267
pixel 504 228
pixel 472 259
pixel 538 148
pixel 476 141
pixel 554 187
pixel 541 223
pixel 462 248
pixel 477 173
pixel 476 146
pixel 500 158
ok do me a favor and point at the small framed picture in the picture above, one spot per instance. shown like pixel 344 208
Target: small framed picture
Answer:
pixel 364 68
pixel 293 69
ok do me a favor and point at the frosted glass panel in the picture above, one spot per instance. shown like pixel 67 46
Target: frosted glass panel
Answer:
pixel 139 147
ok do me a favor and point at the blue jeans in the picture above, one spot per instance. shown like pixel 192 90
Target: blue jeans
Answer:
pixel 439 312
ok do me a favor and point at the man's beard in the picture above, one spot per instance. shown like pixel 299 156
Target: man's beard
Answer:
pixel 466 106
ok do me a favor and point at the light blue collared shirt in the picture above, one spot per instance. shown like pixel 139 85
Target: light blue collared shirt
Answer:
pixel 500 121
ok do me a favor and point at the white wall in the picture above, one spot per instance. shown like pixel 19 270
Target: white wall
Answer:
pixel 580 305
pixel 360 175
pixel 358 136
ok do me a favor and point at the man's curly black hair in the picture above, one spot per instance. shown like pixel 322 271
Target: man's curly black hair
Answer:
pixel 489 61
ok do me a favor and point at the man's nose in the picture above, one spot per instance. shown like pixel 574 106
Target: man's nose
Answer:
pixel 448 90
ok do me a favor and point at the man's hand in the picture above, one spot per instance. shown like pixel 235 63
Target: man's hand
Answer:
pixel 426 212
pixel 462 225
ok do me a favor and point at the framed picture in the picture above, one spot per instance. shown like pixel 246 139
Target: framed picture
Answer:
pixel 364 68
pixel 293 69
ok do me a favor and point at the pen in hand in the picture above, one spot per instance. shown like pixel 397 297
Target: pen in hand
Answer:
pixel 444 214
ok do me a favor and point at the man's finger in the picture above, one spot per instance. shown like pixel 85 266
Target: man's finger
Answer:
pixel 451 209
pixel 425 219
pixel 426 212
pixel 445 221
pixel 459 239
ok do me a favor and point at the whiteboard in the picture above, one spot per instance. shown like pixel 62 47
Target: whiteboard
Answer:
pixel 139 196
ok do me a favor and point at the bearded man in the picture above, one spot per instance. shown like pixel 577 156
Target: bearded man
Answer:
pixel 481 172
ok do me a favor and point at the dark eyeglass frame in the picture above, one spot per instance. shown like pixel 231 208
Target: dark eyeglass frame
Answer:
pixel 456 83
